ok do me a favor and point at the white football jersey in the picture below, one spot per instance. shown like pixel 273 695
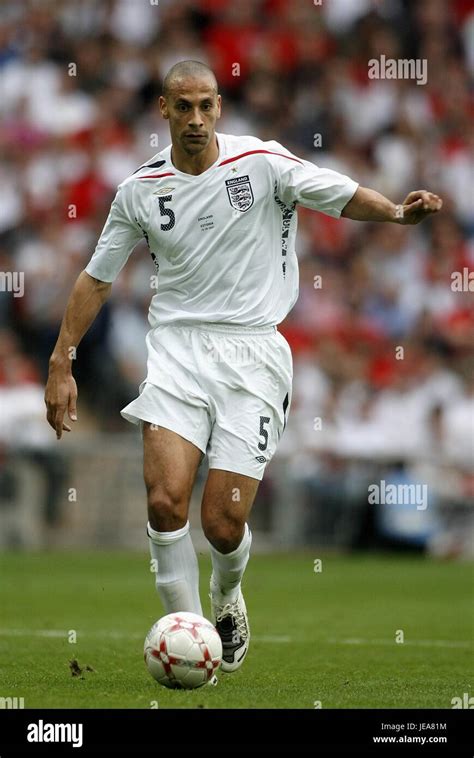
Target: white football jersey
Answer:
pixel 223 242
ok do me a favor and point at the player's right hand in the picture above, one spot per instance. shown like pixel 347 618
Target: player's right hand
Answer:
pixel 60 395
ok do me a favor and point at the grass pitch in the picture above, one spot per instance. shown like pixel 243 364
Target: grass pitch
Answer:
pixel 320 639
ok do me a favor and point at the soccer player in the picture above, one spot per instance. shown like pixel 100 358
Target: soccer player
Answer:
pixel 218 213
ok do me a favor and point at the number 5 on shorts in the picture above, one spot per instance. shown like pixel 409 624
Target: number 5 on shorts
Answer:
pixel 263 432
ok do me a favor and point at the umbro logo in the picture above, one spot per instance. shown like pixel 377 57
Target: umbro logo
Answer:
pixel 164 190
pixel 260 458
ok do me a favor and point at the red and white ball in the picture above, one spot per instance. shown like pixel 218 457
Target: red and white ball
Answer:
pixel 182 651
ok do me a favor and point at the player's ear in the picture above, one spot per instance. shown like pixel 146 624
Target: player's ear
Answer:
pixel 163 107
pixel 219 106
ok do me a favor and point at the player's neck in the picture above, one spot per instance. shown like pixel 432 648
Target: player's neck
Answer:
pixel 195 164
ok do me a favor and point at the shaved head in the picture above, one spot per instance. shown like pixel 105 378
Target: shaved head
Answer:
pixel 191 104
pixel 187 70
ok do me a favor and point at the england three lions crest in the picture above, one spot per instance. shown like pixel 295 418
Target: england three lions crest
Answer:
pixel 240 193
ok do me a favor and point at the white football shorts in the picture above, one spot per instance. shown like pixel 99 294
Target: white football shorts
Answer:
pixel 226 389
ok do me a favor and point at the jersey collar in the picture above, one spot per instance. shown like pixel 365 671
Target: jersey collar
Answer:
pixel 197 177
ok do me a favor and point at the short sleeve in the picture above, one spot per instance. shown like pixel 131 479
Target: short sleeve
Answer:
pixel 321 189
pixel 119 236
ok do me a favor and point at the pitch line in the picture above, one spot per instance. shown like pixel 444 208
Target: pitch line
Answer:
pixel 113 635
pixel 418 643
pixel 266 638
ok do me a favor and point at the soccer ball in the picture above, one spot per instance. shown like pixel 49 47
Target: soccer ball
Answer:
pixel 182 651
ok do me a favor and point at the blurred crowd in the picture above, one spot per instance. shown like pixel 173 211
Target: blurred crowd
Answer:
pixel 79 84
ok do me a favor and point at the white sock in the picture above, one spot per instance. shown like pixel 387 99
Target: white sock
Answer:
pixel 177 577
pixel 228 569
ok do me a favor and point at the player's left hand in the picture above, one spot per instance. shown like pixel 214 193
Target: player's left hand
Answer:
pixel 418 205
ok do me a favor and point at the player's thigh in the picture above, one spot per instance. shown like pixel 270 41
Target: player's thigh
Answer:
pixel 226 504
pixel 251 410
pixel 170 465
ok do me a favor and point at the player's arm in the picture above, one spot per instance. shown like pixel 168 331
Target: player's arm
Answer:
pixel 92 288
pixel 369 205
pixel 335 194
pixel 87 298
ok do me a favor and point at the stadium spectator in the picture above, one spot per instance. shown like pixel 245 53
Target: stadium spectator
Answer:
pixel 78 112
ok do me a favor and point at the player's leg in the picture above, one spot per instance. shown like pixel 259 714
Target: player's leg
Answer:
pixel 227 500
pixel 175 438
pixel 250 397
pixel 170 466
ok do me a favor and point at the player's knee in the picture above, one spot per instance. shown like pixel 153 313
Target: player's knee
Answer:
pixel 224 532
pixel 166 511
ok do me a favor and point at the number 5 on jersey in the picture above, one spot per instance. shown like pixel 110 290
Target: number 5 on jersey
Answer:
pixel 167 213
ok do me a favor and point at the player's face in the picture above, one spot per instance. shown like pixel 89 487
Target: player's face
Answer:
pixel 192 109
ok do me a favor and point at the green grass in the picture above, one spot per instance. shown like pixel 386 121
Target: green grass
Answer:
pixel 108 598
